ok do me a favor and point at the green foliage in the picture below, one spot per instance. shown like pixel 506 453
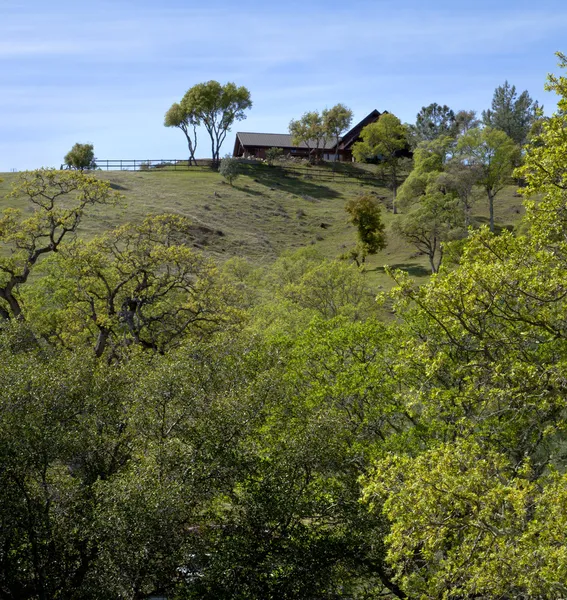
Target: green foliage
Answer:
pixel 510 113
pixel 229 168
pixel 495 155
pixel 309 130
pixel 336 121
pixel 185 120
pixel 231 462
pixel 365 215
pixel 81 157
pixel 384 140
pixel 138 284
pixel 434 220
pixel 432 122
pixel 58 201
pixel 216 107
pixel 429 161
pixel 273 154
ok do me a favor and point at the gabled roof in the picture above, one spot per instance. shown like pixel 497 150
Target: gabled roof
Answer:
pixel 285 140
pixel 274 140
pixel 351 136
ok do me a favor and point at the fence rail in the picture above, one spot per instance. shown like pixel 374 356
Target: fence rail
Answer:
pixel 332 172
pixel 151 164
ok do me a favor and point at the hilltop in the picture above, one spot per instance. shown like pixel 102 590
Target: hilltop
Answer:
pixel 268 210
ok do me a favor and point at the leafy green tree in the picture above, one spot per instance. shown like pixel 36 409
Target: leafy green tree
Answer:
pixel 365 215
pixel 432 122
pixel 435 219
pixel 81 157
pixel 273 154
pixel 137 284
pixel 229 168
pixel 429 160
pixel 384 140
pixel 464 120
pixel 336 121
pixel 471 502
pixel 58 202
pixel 216 107
pixel 311 131
pixel 461 179
pixel 510 113
pixel 495 155
pixel 545 170
pixel 177 117
pixel 63 428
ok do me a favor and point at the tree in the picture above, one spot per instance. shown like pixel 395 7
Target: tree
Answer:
pixel 139 284
pixel 216 107
pixel 429 160
pixel 273 154
pixel 433 121
pixel 461 178
pixel 433 220
pixel 385 139
pixel 464 120
pixel 336 121
pixel 58 201
pixel 510 113
pixel 229 168
pixel 81 157
pixel 545 169
pixel 309 130
pixel 177 117
pixel 495 155
pixel 365 215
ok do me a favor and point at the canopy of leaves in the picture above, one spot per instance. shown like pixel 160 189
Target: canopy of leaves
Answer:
pixel 510 113
pixel 81 156
pixel 432 122
pixel 216 107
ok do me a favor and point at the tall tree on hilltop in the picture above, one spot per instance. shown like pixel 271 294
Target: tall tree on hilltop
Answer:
pixel 433 121
pixel 177 117
pixel 336 121
pixel 309 130
pixel 510 113
pixel 216 107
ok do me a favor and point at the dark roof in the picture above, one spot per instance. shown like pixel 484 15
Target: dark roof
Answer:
pixel 274 140
pixel 351 136
pixel 284 140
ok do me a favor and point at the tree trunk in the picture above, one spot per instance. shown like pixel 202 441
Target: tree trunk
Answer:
pixel 491 209
pixel 101 342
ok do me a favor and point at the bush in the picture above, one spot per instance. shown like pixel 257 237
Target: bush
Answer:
pixel 273 154
pixel 81 157
pixel 229 168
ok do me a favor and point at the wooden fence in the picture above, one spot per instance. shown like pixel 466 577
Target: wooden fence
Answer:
pixel 330 172
pixel 152 164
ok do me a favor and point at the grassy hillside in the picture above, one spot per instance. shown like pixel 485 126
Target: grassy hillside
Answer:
pixel 265 212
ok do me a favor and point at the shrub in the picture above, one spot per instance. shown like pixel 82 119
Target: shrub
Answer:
pixel 229 168
pixel 273 154
pixel 81 157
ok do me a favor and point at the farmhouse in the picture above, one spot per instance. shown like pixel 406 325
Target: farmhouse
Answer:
pixel 254 145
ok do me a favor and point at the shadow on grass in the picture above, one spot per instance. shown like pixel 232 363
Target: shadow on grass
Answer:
pixel 248 191
pixel 412 269
pixel 277 178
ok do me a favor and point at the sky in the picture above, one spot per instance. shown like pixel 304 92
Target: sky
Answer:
pixel 105 72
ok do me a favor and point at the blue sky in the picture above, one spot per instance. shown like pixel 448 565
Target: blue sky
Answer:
pixel 106 72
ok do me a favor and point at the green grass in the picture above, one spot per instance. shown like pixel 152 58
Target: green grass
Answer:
pixel 266 213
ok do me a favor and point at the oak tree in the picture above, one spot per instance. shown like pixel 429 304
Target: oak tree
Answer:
pixel 216 107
